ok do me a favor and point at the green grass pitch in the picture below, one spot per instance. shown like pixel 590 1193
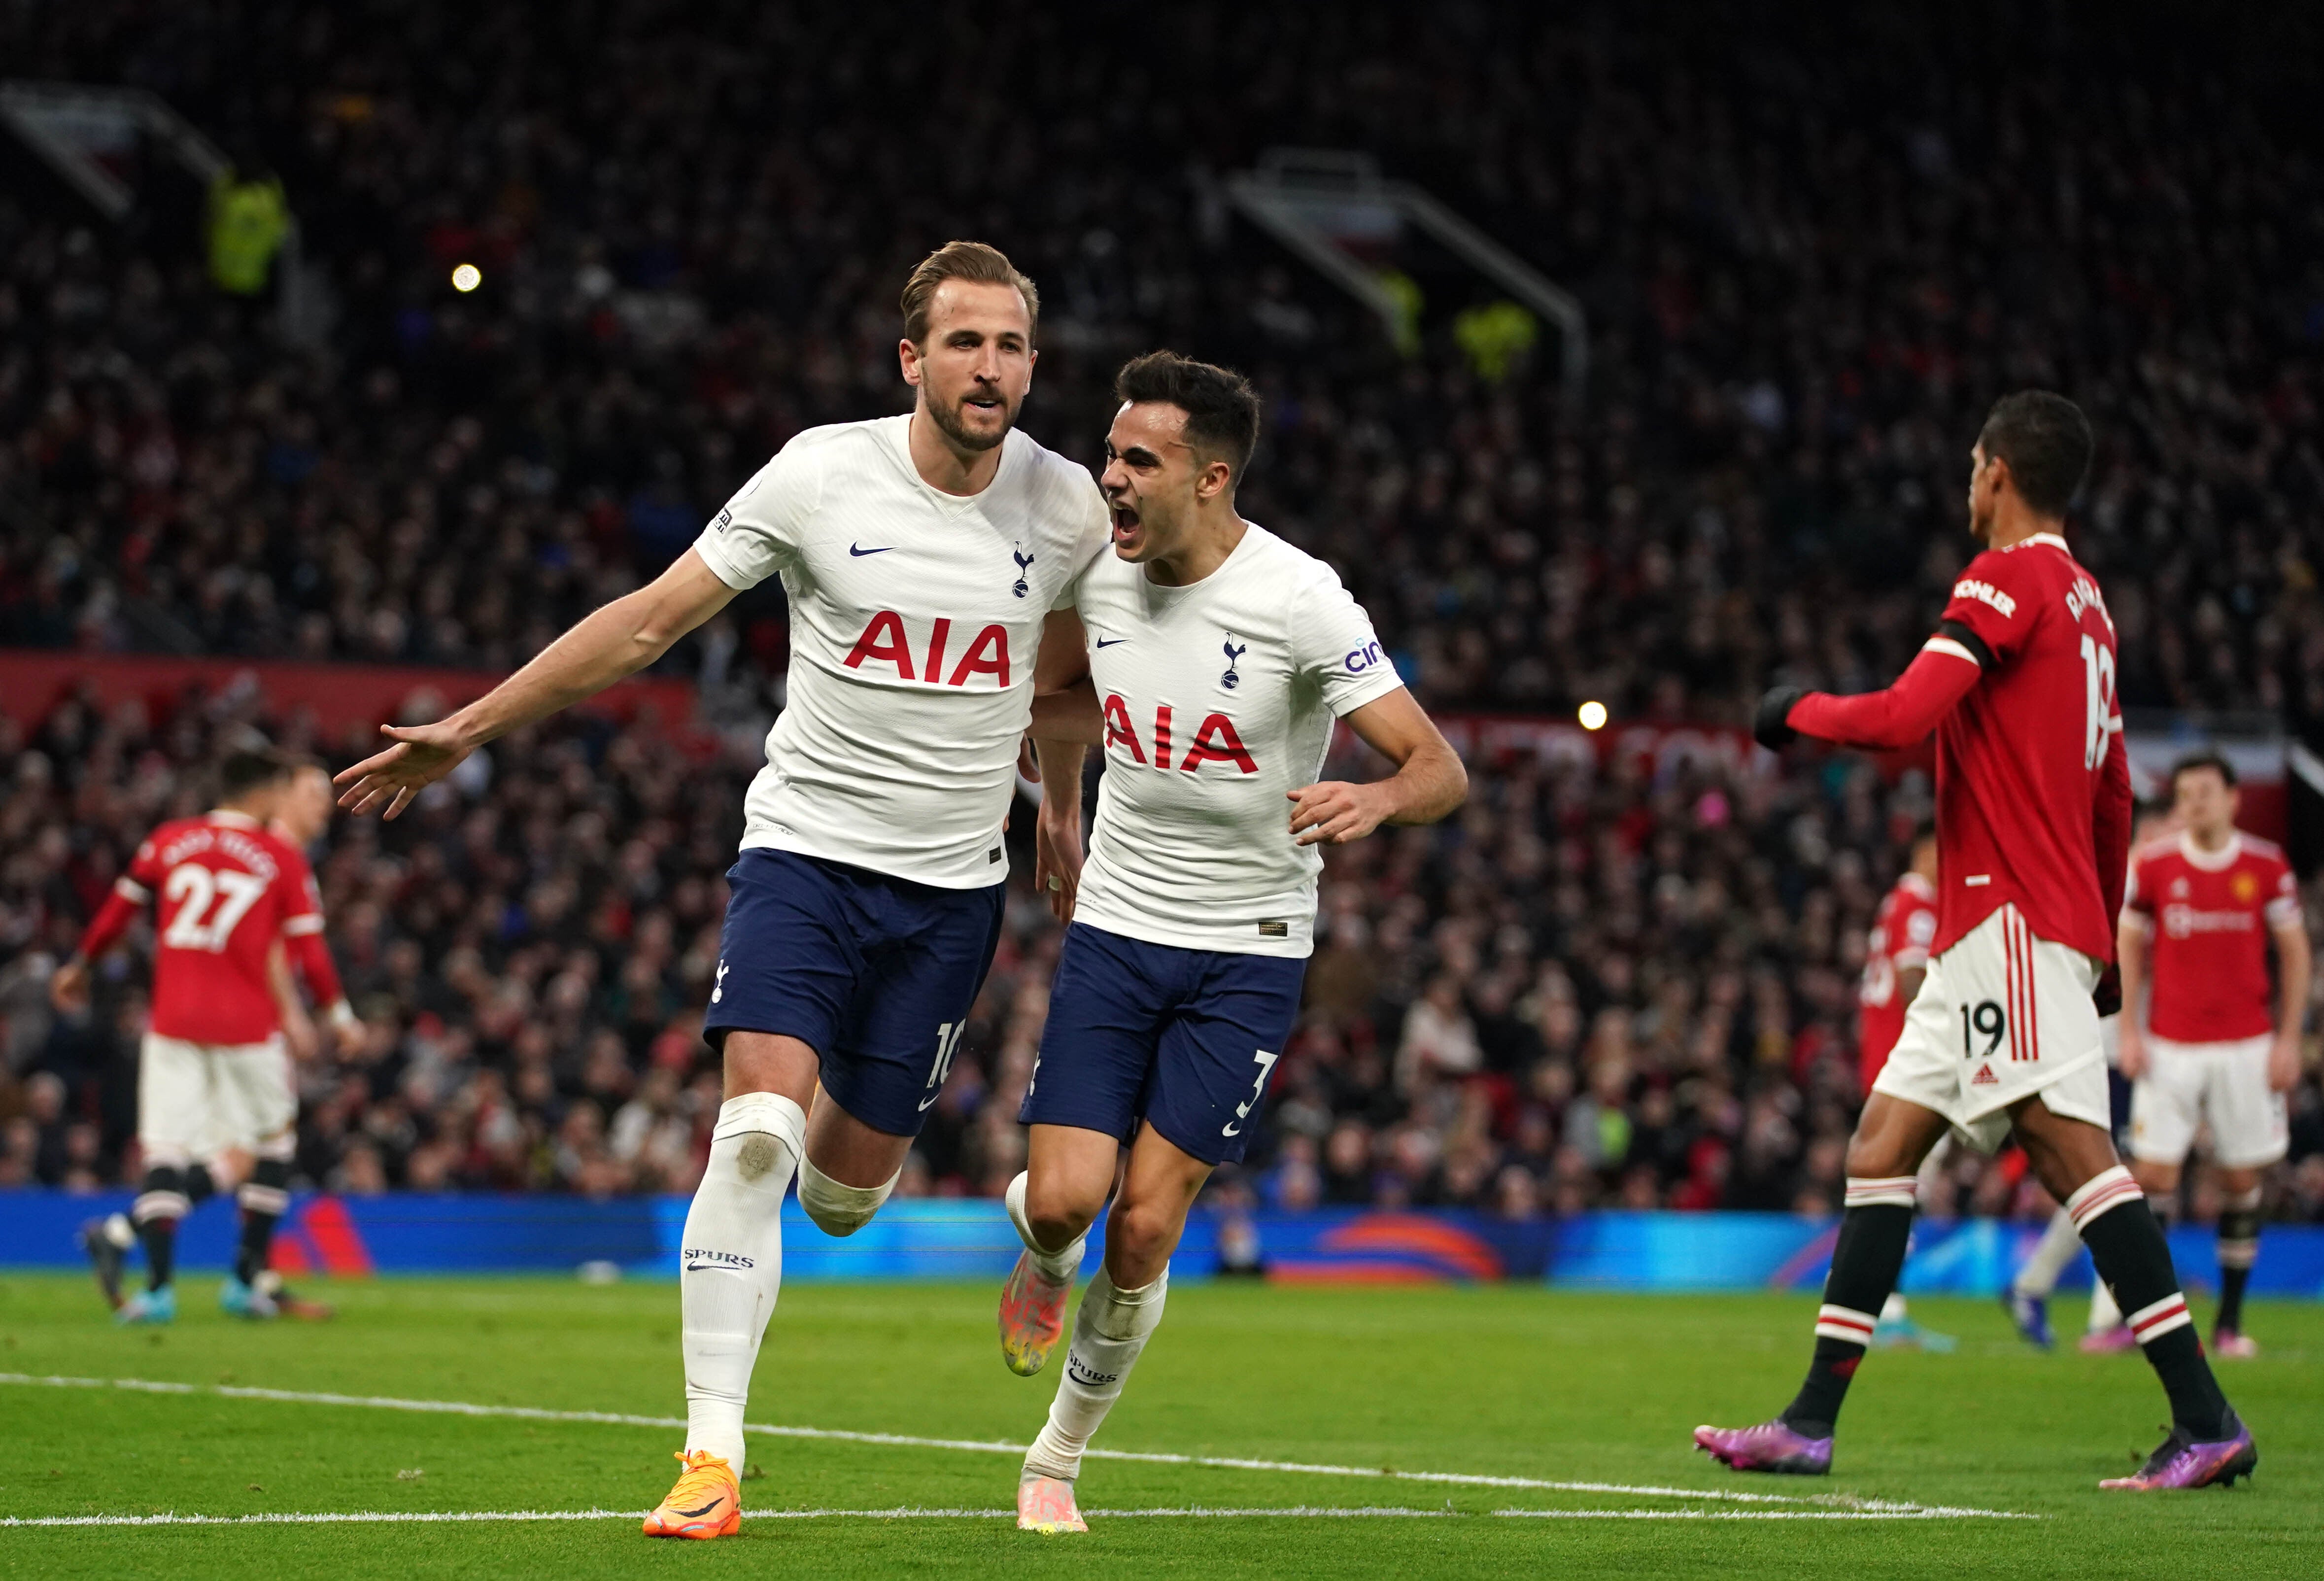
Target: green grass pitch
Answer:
pixel 1505 1381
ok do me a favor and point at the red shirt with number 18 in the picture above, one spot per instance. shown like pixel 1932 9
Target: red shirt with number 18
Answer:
pixel 225 889
pixel 2019 759
pixel 2032 784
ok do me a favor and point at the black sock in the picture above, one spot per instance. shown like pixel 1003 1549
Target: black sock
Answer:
pixel 264 1197
pixel 157 1210
pixel 2131 1256
pixel 199 1187
pixel 1865 1264
pixel 2238 1249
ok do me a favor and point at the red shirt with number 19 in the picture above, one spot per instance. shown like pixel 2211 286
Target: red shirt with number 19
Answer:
pixel 2033 786
pixel 225 888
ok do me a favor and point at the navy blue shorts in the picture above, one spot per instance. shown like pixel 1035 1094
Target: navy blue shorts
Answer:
pixel 1183 1038
pixel 875 973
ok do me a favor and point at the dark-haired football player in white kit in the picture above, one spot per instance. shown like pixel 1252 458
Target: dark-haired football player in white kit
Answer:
pixel 1224 656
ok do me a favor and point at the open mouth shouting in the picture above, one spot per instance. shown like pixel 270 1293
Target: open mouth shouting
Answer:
pixel 1127 533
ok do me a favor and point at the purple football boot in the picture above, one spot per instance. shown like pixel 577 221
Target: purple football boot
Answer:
pixel 2179 1462
pixel 1769 1446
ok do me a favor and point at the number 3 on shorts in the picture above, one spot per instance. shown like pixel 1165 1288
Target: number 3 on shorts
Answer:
pixel 1258 1091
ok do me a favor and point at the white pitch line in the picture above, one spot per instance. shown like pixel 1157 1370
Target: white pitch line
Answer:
pixel 1854 1505
pixel 1183 1512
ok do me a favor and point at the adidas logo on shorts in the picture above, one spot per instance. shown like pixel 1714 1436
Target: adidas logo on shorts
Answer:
pixel 1984 1077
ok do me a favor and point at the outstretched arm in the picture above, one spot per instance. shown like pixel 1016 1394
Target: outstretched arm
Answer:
pixel 616 641
pixel 1429 781
pixel 1939 676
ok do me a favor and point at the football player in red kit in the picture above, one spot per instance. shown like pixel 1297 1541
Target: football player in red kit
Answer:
pixel 1897 957
pixel 1895 960
pixel 2220 1041
pixel 214 1089
pixel 2033 816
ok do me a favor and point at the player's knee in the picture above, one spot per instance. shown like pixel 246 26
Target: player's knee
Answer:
pixel 837 1209
pixel 1876 1157
pixel 1140 1240
pixel 1060 1214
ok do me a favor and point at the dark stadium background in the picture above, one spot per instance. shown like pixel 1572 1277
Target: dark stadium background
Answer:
pixel 1809 262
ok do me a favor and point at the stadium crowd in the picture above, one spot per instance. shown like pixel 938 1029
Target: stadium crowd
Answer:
pixel 1630 984
pixel 1808 266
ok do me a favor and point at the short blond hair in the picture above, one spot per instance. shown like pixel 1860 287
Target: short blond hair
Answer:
pixel 969 261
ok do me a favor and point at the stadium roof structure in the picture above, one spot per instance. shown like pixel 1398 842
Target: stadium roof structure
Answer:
pixel 1325 204
pixel 90 134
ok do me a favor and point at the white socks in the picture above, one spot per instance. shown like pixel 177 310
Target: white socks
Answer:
pixel 1111 1327
pixel 1055 1266
pixel 731 1263
pixel 836 1209
pixel 2060 1245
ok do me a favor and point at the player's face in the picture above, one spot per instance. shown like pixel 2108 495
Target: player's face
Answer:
pixel 306 807
pixel 977 363
pixel 1149 480
pixel 1984 492
pixel 2205 804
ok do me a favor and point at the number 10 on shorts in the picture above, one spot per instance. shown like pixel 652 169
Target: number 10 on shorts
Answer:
pixel 947 1043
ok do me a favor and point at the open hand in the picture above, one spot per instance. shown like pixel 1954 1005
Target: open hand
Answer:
pixel 421 755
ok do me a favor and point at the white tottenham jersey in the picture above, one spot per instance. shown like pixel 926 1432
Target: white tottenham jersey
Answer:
pixel 916 616
pixel 1219 699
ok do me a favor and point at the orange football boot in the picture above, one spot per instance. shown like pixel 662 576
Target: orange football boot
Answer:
pixel 1032 1315
pixel 1045 1504
pixel 706 1502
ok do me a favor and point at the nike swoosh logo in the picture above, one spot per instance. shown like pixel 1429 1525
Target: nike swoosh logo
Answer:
pixel 924 1105
pixel 696 1514
pixel 1110 641
pixel 859 553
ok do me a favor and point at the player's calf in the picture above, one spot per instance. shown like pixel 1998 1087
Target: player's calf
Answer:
pixel 2127 1244
pixel 172 1189
pixel 1110 1331
pixel 263 1199
pixel 1033 1300
pixel 730 1269
pixel 2239 1223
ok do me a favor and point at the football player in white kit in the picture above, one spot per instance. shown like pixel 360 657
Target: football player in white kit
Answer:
pixel 929 561
pixel 1222 656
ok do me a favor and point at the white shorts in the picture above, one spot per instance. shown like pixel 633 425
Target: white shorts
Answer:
pixel 199 1099
pixel 2186 1084
pixel 2002 1015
